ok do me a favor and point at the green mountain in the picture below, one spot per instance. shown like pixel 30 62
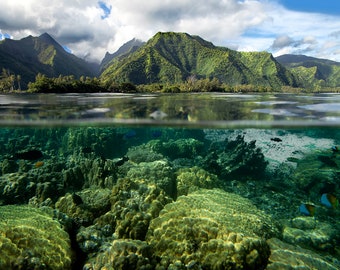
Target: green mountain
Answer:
pixel 312 72
pixel 32 55
pixel 174 57
pixel 127 48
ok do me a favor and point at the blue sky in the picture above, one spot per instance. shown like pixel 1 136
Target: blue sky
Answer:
pixel 90 28
pixel 315 6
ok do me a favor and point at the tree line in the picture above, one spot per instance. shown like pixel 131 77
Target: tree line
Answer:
pixel 69 84
pixel 9 82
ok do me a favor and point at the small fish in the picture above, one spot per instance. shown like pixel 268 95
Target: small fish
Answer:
pixel 121 161
pixel 38 164
pixel 329 200
pixel 293 159
pixel 335 149
pixel 29 155
pixel 276 139
pixel 307 209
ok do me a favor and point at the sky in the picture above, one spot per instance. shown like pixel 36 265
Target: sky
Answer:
pixel 90 28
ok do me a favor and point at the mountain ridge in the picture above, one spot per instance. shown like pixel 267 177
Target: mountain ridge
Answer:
pixel 167 58
pixel 312 72
pixel 32 55
pixel 170 57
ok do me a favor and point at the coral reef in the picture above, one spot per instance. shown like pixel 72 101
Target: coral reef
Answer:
pixel 159 173
pixel 235 159
pixel 180 148
pixel 156 198
pixel 211 229
pixel 124 254
pixel 135 204
pixel 144 153
pixel 101 142
pixel 85 205
pixel 31 239
pixel 191 179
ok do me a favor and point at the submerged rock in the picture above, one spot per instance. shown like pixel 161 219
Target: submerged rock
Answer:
pixel 320 237
pixel 286 256
pixel 31 239
pixel 211 229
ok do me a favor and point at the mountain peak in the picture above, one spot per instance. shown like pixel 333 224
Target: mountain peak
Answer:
pixel 128 47
pixel 48 39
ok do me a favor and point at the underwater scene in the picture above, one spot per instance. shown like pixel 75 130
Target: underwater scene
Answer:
pixel 200 181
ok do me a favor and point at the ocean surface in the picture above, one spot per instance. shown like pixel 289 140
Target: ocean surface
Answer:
pixel 180 181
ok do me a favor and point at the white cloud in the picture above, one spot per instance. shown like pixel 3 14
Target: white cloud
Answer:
pixel 91 27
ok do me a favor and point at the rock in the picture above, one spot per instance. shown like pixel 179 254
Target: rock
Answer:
pixel 304 223
pixel 321 237
pixel 317 173
pixel 286 256
pixel 31 239
pixel 211 229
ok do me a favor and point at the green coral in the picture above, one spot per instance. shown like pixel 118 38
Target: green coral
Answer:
pixel 135 203
pixel 86 205
pixel 212 229
pixel 181 148
pixel 191 179
pixel 157 172
pixel 124 254
pixel 31 239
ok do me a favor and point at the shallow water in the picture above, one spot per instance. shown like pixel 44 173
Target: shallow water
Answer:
pixel 191 110
pixel 110 168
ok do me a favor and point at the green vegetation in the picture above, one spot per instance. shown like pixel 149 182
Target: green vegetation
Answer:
pixel 169 63
pixel 313 73
pixel 68 84
pixel 32 55
pixel 9 82
pixel 172 58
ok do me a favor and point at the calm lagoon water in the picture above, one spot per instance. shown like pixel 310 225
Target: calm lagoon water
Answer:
pixel 185 181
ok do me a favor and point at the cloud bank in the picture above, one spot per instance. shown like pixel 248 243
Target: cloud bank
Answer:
pixel 91 28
